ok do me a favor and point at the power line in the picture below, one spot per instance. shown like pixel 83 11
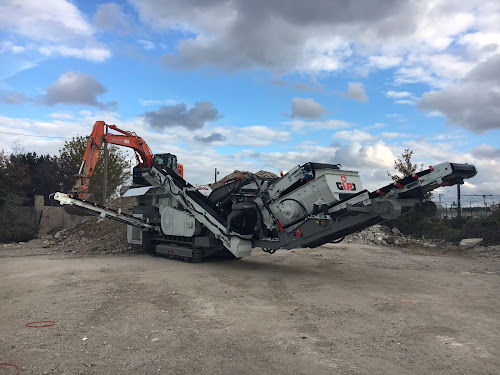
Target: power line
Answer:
pixel 32 135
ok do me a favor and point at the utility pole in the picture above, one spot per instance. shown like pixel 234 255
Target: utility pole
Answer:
pixel 459 206
pixel 105 185
pixel 441 214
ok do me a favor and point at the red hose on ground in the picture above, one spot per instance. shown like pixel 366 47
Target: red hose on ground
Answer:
pixel 10 364
pixel 50 323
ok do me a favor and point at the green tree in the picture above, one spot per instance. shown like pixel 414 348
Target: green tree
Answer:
pixel 43 174
pixel 405 167
pixel 70 160
pixel 14 180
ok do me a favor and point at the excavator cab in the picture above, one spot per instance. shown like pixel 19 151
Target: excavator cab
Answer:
pixel 161 161
pixel 169 161
pixel 166 161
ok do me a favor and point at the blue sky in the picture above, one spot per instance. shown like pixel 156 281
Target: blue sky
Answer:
pixel 262 84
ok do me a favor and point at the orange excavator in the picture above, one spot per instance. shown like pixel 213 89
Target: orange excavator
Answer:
pixel 143 154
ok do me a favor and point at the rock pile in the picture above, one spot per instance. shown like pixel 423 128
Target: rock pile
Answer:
pixel 382 235
pixel 96 234
pixel 236 174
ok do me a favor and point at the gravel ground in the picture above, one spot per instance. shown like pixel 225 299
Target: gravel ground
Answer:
pixel 338 309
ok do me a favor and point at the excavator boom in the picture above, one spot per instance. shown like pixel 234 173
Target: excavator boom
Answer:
pixel 98 137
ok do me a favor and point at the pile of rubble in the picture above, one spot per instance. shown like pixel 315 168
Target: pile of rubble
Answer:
pixel 96 235
pixel 241 174
pixel 382 235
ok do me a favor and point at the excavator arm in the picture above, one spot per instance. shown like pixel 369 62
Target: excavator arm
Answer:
pixel 97 138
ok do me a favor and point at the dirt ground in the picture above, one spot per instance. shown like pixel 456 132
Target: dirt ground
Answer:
pixel 337 309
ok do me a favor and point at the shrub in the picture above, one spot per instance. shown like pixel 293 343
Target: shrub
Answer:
pixel 13 226
pixel 415 224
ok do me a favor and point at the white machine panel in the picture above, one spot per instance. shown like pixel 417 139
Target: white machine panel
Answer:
pixel 178 223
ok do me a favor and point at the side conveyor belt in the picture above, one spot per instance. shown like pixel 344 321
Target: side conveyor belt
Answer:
pixel 102 211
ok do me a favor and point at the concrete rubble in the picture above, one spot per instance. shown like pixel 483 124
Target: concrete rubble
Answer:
pixel 241 174
pixel 382 235
pixel 470 243
pixel 98 235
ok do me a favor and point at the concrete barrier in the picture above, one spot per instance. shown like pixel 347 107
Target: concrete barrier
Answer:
pixel 51 219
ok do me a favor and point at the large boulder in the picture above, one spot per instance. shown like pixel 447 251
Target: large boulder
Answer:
pixel 469 243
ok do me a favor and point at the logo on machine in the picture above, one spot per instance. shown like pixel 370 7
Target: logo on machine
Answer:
pixel 344 185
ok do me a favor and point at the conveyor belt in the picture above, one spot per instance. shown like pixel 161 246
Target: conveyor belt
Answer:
pixel 103 211
pixel 459 173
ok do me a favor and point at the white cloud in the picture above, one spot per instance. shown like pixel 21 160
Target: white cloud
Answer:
pixel 146 103
pixel 384 62
pixel 86 113
pixel 324 53
pixel 38 136
pixel 52 20
pixel 393 135
pixel 404 97
pixel 371 160
pixel 405 101
pixel 96 53
pixel 66 116
pixel 147 44
pixel 354 135
pixel 7 46
pixel 296 125
pixel 56 27
pixel 398 94
pixel 257 136
pixel 377 125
